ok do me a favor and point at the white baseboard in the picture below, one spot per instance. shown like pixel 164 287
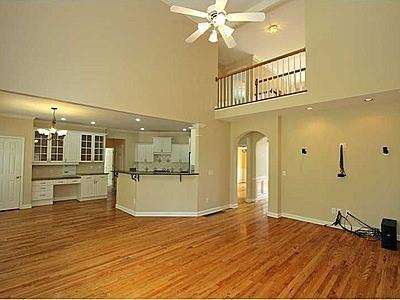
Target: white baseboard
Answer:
pixel 165 214
pixel 305 219
pixel 317 221
pixel 273 215
pixel 213 210
pixel 42 202
pixel 25 206
pixel 233 205
pixel 125 209
pixel 92 198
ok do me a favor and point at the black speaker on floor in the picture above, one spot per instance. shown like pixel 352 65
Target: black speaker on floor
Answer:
pixel 389 234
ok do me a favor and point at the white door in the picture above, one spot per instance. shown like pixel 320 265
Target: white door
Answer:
pixel 10 172
pixel 109 165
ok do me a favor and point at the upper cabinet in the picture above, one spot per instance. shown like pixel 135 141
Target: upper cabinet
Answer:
pixel 144 153
pixel 162 144
pixel 92 147
pixel 73 148
pixel 180 153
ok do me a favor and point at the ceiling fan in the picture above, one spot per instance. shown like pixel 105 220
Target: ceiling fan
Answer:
pixel 216 17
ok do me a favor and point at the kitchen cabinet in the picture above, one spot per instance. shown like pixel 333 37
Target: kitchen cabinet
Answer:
pixel 144 153
pixel 180 153
pixel 162 144
pixel 93 187
pixel 72 147
pixel 48 150
pixel 92 147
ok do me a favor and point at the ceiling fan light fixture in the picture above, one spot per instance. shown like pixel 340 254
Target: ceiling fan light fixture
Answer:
pixel 220 19
pixel 213 36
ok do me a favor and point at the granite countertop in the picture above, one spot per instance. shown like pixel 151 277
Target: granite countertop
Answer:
pixel 156 173
pixel 88 174
pixel 57 177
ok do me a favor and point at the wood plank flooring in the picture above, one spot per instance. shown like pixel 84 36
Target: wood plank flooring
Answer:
pixel 91 250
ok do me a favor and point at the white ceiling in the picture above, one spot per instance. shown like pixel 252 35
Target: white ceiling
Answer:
pixel 251 38
pixel 39 108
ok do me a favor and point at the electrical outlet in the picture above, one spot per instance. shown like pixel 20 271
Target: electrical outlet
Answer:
pixel 207 200
pixel 284 173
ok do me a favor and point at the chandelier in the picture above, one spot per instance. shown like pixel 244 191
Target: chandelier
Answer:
pixel 52 132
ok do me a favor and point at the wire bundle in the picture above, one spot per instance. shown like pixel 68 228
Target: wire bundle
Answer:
pixel 365 231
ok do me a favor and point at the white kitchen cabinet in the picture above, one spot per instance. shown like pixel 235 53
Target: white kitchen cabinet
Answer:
pixel 92 147
pixel 180 153
pixel 100 186
pixel 72 147
pixel 162 144
pixel 48 150
pixel 144 153
pixel 93 187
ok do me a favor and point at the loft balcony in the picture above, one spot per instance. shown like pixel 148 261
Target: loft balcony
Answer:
pixel 281 76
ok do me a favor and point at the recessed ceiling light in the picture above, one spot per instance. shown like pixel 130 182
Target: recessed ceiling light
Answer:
pixel 273 28
pixel 184 129
pixel 368 99
pixel 142 129
pixel 138 119
pixel 93 123
pixel 309 108
pixel 63 119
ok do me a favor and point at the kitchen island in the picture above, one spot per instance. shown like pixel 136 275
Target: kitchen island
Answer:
pixel 157 193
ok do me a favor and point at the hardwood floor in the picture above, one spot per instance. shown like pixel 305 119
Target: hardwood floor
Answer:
pixel 79 250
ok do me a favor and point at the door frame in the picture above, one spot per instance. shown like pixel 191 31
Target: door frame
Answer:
pixel 22 139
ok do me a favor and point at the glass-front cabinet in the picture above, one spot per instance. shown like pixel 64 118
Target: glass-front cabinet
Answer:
pixel 74 148
pixel 86 147
pixel 57 148
pixel 99 147
pixel 92 147
pixel 40 147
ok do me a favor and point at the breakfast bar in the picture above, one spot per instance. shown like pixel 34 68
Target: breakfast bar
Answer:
pixel 157 193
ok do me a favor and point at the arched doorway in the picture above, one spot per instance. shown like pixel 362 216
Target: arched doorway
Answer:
pixel 252 168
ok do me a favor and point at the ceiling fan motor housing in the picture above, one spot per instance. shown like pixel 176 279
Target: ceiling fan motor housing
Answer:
pixel 213 14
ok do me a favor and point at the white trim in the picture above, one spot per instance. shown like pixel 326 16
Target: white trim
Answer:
pixel 91 198
pixel 42 202
pixel 25 206
pixel 318 222
pixel 213 210
pixel 166 214
pixel 305 219
pixel 125 209
pixel 273 215
pixel 233 205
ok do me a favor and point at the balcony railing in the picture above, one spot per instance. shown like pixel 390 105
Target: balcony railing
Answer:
pixel 281 76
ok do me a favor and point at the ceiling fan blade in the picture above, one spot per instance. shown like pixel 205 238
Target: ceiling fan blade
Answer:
pixel 246 17
pixel 229 40
pixel 188 11
pixel 201 28
pixel 221 4
pixel 194 36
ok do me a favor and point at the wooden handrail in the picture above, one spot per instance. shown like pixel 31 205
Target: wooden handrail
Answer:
pixel 261 63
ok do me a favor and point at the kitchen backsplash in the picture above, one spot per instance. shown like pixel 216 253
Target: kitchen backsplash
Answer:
pixel 162 162
pixel 83 168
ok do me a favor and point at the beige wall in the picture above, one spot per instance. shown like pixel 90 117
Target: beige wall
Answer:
pixel 352 50
pixel 21 128
pixel 107 54
pixel 311 187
